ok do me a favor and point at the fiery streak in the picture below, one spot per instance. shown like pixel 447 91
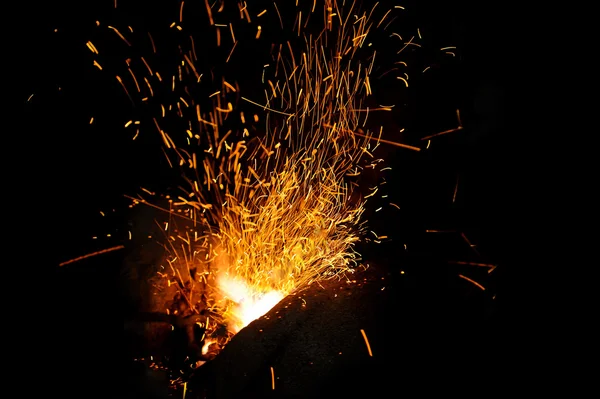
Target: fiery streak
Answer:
pixel 104 251
pixel 442 133
pixel 455 189
pixel 272 379
pixel 119 34
pixel 124 88
pixel 366 341
pixel 410 147
pixel 472 282
pixel 488 265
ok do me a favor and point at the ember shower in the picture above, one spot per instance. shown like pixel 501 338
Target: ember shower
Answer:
pixel 270 155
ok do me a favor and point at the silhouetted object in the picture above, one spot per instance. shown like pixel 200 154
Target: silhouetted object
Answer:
pixel 424 324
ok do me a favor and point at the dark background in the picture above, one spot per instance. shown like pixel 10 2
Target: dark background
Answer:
pixel 85 169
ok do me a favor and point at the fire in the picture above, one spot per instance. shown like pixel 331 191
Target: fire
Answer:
pixel 207 344
pixel 269 200
pixel 249 304
pixel 271 203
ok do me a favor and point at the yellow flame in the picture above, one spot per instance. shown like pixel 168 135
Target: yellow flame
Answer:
pixel 249 304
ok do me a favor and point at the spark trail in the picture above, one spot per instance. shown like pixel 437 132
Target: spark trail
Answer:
pixel 270 201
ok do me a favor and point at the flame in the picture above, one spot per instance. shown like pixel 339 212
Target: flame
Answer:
pixel 249 304
pixel 207 344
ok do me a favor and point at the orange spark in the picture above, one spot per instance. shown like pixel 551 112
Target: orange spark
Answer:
pixel 366 342
pixel 92 254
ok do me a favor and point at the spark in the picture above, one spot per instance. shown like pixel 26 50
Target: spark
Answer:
pixel 410 147
pixel 92 48
pixel 272 378
pixel 402 79
pixel 104 251
pixel 209 11
pixel 488 265
pixel 455 189
pixel 125 88
pixel 442 133
pixel 472 282
pixel 366 342
pixel 231 52
pixel 472 246
pixel 152 43
pixel 119 34
pixel 267 108
pixel 278 14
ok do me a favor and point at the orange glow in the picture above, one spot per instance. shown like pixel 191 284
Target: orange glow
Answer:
pixel 249 304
